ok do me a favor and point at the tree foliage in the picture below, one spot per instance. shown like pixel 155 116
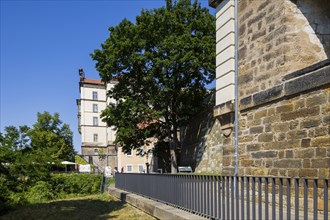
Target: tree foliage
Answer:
pixel 163 63
pixel 28 154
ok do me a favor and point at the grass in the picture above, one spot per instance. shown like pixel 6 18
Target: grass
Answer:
pixel 101 206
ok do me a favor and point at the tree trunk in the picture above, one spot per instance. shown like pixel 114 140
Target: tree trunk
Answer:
pixel 173 159
pixel 173 147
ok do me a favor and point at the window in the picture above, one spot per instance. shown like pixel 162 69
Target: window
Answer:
pixel 141 168
pixel 129 153
pixel 95 121
pixel 129 168
pixel 94 95
pixel 95 109
pixel 96 137
pixel 96 151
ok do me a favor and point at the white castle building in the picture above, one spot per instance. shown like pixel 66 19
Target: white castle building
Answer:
pixel 97 139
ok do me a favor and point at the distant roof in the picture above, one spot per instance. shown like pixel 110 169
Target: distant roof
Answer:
pixel 92 81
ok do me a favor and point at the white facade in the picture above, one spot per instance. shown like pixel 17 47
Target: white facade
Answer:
pixel 96 137
pixel 225 50
pixel 97 140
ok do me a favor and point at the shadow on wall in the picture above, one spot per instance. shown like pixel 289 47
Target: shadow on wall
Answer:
pixel 200 139
pixel 317 13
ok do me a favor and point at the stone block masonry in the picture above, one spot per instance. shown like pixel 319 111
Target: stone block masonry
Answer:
pixel 288 133
pixel 277 37
pixel 284 91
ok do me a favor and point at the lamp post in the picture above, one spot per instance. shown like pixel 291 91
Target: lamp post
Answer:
pixel 236 97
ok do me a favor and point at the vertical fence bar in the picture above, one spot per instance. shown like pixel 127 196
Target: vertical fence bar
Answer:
pixel 326 186
pixel 172 197
pixel 305 198
pixel 182 189
pixel 315 186
pixel 190 192
pixel 219 197
pixel 228 196
pixel 247 197
pixel 232 192
pixel 280 197
pixel 296 198
pixel 237 198
pixel 200 194
pixel 179 189
pixel 204 197
pixel 259 198
pixel 212 196
pixel 215 196
pixel 192 181
pixel 266 199
pixel 183 192
pixel 176 202
pixel 242 197
pixel 196 198
pixel 187 192
pixel 288 198
pixel 223 198
pixel 273 199
pixel 253 198
pixel 209 199
pixel 193 199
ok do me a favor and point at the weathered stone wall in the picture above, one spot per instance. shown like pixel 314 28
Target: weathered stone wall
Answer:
pixel 287 138
pixel 284 95
pixel 277 37
pixel 203 142
pixel 283 131
pixel 284 115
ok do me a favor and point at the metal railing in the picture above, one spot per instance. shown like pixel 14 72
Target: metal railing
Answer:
pixel 214 197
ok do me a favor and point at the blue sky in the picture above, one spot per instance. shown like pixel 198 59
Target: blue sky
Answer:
pixel 43 43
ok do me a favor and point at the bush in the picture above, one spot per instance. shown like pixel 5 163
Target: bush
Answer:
pixel 41 192
pixel 76 183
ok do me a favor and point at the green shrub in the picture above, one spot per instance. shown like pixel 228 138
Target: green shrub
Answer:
pixel 76 183
pixel 40 192
pixel 18 199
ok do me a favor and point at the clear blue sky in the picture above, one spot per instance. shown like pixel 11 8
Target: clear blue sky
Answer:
pixel 43 43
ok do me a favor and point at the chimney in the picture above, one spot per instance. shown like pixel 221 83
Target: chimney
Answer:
pixel 81 74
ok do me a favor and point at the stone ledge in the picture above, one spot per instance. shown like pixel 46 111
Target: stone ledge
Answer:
pixel 223 109
pixel 309 69
pixel 151 207
pixel 225 114
pixel 312 77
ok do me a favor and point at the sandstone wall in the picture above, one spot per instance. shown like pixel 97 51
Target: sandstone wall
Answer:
pixel 284 95
pixel 202 143
pixel 278 37
pixel 280 134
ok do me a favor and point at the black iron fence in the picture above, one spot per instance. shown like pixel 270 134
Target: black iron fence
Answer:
pixel 229 197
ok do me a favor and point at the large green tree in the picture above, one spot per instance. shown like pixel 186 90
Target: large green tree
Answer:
pixel 163 63
pixel 50 134
pixel 27 154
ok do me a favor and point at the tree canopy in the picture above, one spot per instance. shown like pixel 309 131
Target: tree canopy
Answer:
pixel 27 154
pixel 163 63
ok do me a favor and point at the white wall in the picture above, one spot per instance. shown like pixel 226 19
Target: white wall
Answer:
pixel 225 50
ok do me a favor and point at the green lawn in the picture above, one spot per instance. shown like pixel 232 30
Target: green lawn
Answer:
pixel 90 207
